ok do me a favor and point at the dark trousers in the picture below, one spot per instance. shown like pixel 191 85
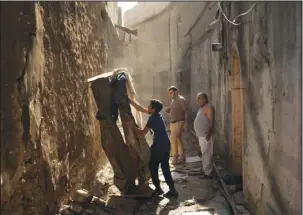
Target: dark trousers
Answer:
pixel 157 157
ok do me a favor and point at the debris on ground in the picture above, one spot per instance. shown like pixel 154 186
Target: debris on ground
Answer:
pixel 189 202
pixel 196 197
pixel 193 159
pixel 192 167
pixel 238 197
pixel 82 196
pixel 231 189
pixel 204 212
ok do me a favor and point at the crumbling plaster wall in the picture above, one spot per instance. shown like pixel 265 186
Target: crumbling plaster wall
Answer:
pixel 209 76
pixel 270 45
pixel 50 144
pixel 205 73
pixel 269 41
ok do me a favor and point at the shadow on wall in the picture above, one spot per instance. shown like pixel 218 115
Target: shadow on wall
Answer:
pixel 269 171
pixel 267 67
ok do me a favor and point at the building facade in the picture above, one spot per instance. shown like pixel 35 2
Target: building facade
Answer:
pixel 147 55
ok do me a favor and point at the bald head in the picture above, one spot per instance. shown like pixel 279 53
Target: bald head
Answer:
pixel 202 99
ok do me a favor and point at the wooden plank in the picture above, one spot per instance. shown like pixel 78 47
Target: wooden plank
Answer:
pixel 237 117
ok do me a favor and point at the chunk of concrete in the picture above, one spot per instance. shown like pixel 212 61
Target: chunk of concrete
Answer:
pixel 66 210
pixel 239 198
pixel 189 202
pixel 199 213
pixel 82 196
pixel 98 201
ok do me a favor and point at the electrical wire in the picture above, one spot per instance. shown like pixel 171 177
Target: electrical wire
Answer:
pixel 214 22
pixel 245 13
pixel 242 14
pixel 221 10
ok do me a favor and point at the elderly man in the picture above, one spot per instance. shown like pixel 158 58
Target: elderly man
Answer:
pixel 178 121
pixel 204 125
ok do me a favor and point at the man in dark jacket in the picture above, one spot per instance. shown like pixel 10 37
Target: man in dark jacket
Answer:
pixel 160 149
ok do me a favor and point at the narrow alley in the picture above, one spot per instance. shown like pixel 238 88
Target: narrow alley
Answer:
pixel 92 91
pixel 197 196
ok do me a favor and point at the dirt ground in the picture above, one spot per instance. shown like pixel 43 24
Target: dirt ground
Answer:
pixel 196 196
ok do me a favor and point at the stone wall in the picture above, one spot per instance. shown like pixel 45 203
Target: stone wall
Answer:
pixel 50 144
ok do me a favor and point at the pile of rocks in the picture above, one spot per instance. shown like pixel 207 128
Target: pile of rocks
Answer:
pixel 238 198
pixel 85 204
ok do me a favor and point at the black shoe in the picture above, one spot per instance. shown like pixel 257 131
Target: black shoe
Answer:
pixel 157 192
pixel 171 193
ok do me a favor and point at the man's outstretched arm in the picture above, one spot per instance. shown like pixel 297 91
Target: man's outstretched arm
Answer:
pixel 138 107
pixel 144 131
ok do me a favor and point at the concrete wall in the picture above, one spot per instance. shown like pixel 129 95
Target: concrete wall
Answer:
pixel 157 56
pixel 50 144
pixel 208 75
pixel 271 59
pixel 269 43
pixel 147 56
pixel 114 11
pixel 183 16
pixel 142 12
pixel 195 67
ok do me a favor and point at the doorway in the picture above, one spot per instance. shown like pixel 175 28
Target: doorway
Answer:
pixel 237 113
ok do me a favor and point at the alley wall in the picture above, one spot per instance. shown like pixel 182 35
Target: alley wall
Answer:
pixel 271 61
pixel 159 56
pixel 269 45
pixel 195 67
pixel 50 139
pixel 267 111
pixel 147 56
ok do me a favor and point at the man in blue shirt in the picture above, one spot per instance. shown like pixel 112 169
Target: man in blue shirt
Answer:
pixel 160 149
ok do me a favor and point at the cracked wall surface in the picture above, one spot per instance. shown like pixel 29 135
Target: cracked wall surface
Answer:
pixel 271 51
pixel 269 41
pixel 50 139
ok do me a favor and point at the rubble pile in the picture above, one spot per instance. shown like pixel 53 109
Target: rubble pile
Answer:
pixel 85 204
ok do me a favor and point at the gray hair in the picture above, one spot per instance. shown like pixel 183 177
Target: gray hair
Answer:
pixel 202 95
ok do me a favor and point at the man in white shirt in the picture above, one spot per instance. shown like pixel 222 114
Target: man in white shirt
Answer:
pixel 204 125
